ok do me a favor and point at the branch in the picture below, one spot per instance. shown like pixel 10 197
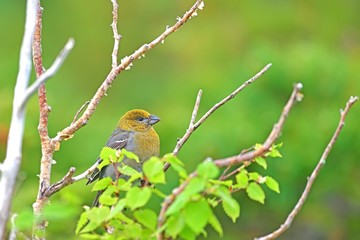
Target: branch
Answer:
pixel 295 97
pixel 193 126
pixel 314 174
pixel 125 64
pixel 117 36
pixel 10 166
pixel 68 179
pixel 48 73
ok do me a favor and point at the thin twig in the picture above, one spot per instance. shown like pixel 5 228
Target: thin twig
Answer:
pixel 190 128
pixel 80 110
pixel 193 127
pixel 50 72
pixel 313 176
pixel 117 36
pixel 272 136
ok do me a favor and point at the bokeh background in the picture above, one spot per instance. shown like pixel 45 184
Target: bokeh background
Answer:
pixel 316 43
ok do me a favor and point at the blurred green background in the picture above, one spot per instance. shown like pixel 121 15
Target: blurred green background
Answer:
pixel 316 43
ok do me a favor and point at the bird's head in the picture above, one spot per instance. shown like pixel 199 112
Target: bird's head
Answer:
pixel 137 120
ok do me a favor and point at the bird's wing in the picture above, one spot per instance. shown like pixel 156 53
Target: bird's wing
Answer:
pixel 118 140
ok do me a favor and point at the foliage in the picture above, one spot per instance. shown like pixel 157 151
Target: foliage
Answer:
pixel 125 207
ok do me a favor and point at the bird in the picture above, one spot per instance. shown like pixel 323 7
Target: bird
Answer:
pixel 135 133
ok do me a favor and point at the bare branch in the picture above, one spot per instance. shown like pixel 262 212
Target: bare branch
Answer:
pixel 117 36
pixel 48 73
pixel 295 96
pixel 68 179
pixel 194 126
pixel 314 174
pixel 125 64
pixel 10 166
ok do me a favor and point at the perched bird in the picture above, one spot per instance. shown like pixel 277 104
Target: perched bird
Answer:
pixel 135 133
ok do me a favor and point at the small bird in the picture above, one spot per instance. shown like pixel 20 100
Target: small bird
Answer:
pixel 136 134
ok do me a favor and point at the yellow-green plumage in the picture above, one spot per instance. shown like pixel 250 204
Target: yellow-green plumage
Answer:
pixel 135 133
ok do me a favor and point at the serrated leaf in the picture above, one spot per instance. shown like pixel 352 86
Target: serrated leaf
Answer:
pixel 130 155
pixel 195 186
pixel 137 197
pixel 272 184
pixel 175 224
pixel 254 176
pixel 153 170
pixel 231 208
pixel 197 214
pixel 261 161
pixel 102 184
pixel 242 179
pixel 146 217
pixel 214 222
pixel 255 192
pixel 108 153
pixel 133 231
pixel 81 222
pixel 176 164
pixel 207 169
pixel 230 205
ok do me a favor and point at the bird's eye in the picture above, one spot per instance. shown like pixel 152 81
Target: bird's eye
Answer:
pixel 140 119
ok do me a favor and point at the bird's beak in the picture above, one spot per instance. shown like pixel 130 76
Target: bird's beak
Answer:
pixel 153 119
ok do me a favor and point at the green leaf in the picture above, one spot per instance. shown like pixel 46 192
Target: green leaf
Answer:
pixel 195 186
pixel 102 184
pixel 230 205
pixel 158 192
pixel 153 170
pixel 137 197
pixel 261 161
pixel 108 154
pixel 146 217
pixel 81 223
pixel 274 151
pixel 197 214
pixel 208 169
pixel 130 155
pixel 255 192
pixel 120 205
pixel 187 234
pixel 107 199
pixel 242 179
pixel 226 183
pixel 133 231
pixel 128 171
pixel 254 176
pixel 272 184
pixel 214 222
pixel 176 164
pixel 175 224
pixel 98 214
